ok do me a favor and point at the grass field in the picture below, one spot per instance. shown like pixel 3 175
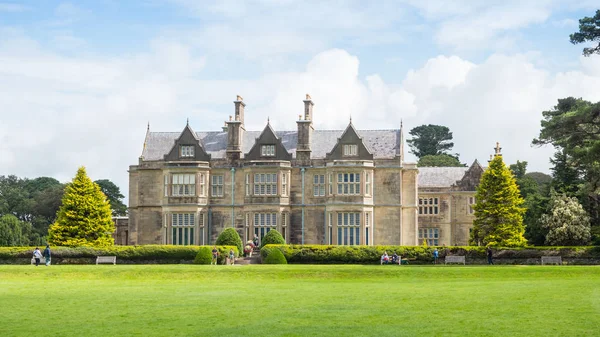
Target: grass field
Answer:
pixel 299 300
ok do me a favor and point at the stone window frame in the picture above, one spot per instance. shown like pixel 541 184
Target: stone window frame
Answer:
pixel 284 184
pixel 431 234
pixel 367 183
pixel 216 184
pixel 261 185
pixel 350 150
pixel 429 206
pixel 183 184
pixel 267 150
pixel 348 226
pixel 348 183
pixel 470 202
pixel 186 151
pixel 183 228
pixel 319 185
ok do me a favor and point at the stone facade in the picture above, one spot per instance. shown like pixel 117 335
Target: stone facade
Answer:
pixel 314 186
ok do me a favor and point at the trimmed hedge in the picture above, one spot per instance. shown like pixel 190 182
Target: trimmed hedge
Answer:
pixel 230 237
pixel 275 257
pixel 322 254
pixel 273 237
pixel 204 256
pixel 153 254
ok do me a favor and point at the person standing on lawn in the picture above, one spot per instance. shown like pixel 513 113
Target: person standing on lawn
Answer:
pixel 231 256
pixel 215 254
pixel 47 255
pixel 489 255
pixel 37 255
pixel 435 256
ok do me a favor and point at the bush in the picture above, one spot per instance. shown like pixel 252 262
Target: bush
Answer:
pixel 204 256
pixel 321 254
pixel 124 254
pixel 275 257
pixel 230 237
pixel 273 237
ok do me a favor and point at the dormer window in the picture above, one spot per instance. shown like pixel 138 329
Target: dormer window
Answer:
pixel 350 150
pixel 186 151
pixel 267 150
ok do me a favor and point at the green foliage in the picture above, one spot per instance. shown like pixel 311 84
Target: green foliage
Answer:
pixel 272 238
pixel 125 254
pixel 439 160
pixel 498 212
pixel 13 232
pixel 204 255
pixel 589 31
pixel 535 205
pixel 275 257
pixel 322 254
pixel 84 218
pixel 543 181
pixel 113 193
pixel 230 237
pixel 430 140
pixel 566 222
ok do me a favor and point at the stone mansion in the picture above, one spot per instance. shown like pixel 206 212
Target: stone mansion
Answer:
pixel 340 187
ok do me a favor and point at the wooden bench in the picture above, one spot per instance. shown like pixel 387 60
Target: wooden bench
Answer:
pixel 407 260
pixel 454 259
pixel 551 259
pixel 106 259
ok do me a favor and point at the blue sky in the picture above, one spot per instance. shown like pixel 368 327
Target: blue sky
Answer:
pixel 86 77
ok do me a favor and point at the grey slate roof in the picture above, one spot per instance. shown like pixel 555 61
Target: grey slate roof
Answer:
pixel 440 176
pixel 382 143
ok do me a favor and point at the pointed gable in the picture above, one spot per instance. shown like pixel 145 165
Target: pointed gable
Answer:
pixel 268 147
pixel 187 148
pixel 350 146
pixel 470 180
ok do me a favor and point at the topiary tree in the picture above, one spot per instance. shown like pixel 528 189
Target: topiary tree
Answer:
pixel 567 222
pixel 498 212
pixel 230 237
pixel 84 218
pixel 275 257
pixel 204 256
pixel 273 237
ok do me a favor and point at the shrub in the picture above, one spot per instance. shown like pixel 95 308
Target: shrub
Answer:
pixel 204 256
pixel 273 237
pixel 230 237
pixel 275 257
pixel 124 254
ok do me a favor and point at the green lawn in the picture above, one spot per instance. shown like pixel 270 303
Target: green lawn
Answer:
pixel 298 300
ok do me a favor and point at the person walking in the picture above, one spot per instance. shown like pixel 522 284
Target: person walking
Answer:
pixel 37 255
pixel 215 254
pixel 47 255
pixel 489 255
pixel 435 256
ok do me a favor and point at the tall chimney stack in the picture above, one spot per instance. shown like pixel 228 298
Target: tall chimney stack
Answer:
pixel 305 130
pixel 235 131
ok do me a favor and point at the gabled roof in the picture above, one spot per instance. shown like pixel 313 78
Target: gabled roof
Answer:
pixel 350 136
pixel 268 137
pixel 383 144
pixel 440 176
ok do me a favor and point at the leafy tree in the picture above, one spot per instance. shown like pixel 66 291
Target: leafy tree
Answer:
pixel 498 212
pixel 567 222
pixel 84 218
pixel 230 237
pixel 535 205
pixel 430 140
pixel 589 31
pixel 439 160
pixel 543 181
pixel 113 193
pixel 273 237
pixel 567 177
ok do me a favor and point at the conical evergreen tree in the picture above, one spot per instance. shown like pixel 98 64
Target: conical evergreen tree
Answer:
pixel 498 212
pixel 84 218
